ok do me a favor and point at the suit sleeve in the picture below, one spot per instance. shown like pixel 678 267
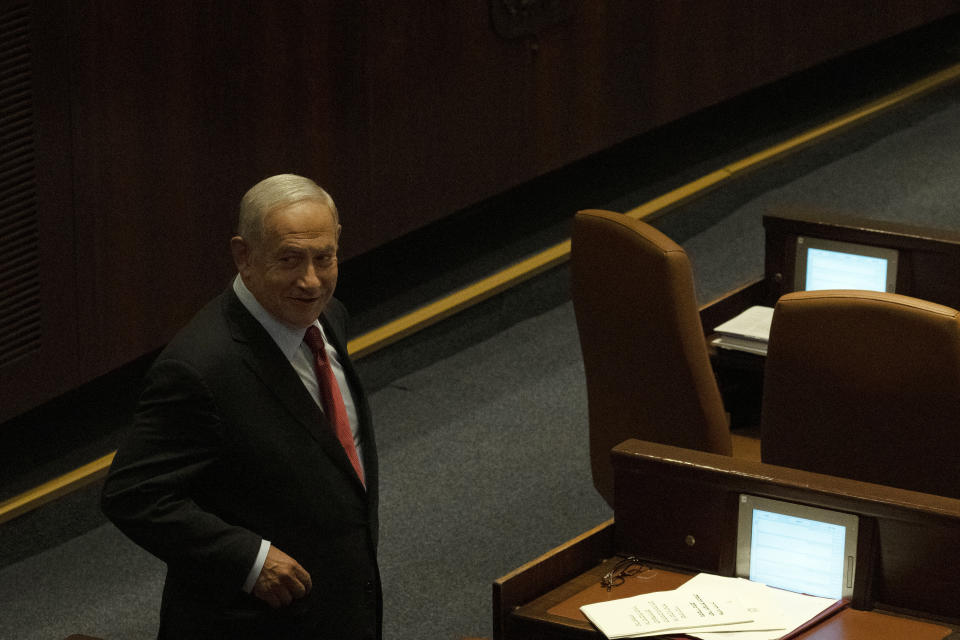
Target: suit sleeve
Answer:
pixel 151 492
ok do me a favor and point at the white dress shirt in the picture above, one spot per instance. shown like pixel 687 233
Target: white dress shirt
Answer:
pixel 295 350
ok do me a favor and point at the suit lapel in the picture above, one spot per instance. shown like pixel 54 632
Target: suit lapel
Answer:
pixel 264 358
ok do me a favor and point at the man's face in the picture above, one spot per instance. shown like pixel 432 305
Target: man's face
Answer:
pixel 292 272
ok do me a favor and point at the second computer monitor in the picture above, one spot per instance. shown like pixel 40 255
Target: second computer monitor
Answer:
pixel 832 264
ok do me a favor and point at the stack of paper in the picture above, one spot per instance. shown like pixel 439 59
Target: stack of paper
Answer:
pixel 749 331
pixel 711 608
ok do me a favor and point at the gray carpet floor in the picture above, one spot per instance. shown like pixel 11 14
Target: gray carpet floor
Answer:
pixel 484 460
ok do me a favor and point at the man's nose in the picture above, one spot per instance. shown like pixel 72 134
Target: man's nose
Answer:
pixel 309 278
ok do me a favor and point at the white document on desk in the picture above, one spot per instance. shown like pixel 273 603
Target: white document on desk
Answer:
pixel 778 612
pixel 767 616
pixel 662 612
pixel 752 324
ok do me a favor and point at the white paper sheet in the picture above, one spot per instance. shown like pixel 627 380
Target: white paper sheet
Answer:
pixel 666 611
pixel 708 607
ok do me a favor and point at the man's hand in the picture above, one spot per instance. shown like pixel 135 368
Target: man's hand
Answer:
pixel 282 580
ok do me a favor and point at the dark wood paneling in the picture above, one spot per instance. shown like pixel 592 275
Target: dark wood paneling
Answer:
pixel 448 104
pixel 177 109
pixel 457 113
pixel 37 191
pixel 147 246
pixel 153 118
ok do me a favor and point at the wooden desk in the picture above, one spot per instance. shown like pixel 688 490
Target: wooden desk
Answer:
pixel 929 259
pixel 676 508
pixel 929 268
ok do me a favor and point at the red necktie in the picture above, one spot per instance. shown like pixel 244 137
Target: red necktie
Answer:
pixel 330 395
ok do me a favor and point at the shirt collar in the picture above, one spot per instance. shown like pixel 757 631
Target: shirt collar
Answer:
pixel 286 338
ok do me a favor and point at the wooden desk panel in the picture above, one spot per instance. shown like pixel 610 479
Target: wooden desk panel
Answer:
pixel 929 258
pixel 677 509
pixel 929 266
pixel 547 572
pixel 668 498
pixel 851 624
pixel 558 610
pixel 555 614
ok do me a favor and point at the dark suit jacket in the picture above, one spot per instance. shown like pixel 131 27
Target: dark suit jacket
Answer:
pixel 227 447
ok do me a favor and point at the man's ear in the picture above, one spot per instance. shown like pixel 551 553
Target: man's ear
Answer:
pixel 241 252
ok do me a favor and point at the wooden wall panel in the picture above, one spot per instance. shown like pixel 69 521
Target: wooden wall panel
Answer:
pixel 35 188
pixel 446 112
pixel 144 240
pixel 153 118
pixel 178 107
pixel 458 113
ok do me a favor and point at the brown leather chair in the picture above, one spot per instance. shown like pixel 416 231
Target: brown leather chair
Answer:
pixel 866 386
pixel 645 357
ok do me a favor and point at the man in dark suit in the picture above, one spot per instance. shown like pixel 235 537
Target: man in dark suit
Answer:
pixel 251 468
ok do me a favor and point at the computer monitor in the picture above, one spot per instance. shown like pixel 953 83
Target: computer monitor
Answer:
pixel 831 264
pixel 797 547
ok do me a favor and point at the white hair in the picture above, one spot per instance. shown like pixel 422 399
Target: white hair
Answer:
pixel 273 192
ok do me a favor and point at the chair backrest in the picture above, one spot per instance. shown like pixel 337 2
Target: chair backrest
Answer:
pixel 865 385
pixel 645 357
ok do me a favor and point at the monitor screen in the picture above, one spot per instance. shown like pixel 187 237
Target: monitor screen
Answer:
pixel 796 547
pixel 831 264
